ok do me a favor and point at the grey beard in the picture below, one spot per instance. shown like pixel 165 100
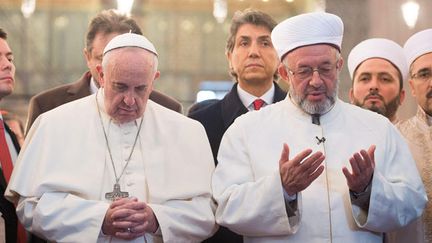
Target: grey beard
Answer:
pixel 314 107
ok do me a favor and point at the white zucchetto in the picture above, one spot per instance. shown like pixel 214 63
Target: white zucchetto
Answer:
pixel 378 48
pixel 307 29
pixel 130 40
pixel 417 45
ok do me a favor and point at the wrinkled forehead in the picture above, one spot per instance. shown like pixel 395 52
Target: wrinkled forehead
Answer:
pixel 311 54
pixel 252 30
pixel 423 61
pixel 130 56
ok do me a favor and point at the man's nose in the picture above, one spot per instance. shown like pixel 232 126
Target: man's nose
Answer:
pixel 5 64
pixel 254 50
pixel 129 99
pixel 316 80
pixel 374 84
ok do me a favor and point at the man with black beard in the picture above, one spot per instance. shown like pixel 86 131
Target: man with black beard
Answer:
pixel 378 68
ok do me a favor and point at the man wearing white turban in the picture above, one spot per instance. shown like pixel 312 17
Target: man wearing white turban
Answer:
pixel 378 69
pixel 418 129
pixel 344 174
pixel 123 169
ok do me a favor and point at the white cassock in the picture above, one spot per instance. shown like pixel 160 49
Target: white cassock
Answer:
pixel 64 171
pixel 247 184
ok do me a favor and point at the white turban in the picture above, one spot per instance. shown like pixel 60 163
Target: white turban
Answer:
pixel 130 40
pixel 418 45
pixel 378 48
pixel 307 29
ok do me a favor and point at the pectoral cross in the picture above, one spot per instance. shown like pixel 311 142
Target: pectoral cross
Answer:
pixel 116 193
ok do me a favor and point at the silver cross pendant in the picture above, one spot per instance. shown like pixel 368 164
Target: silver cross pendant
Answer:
pixel 116 193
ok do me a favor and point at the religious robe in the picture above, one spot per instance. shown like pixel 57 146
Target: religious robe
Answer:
pixel 418 133
pixel 247 184
pixel 65 170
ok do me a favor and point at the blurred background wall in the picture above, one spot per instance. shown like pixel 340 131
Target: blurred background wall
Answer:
pixel 189 35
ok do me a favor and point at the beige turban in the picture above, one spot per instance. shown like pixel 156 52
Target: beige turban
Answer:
pixel 130 40
pixel 378 48
pixel 418 45
pixel 307 29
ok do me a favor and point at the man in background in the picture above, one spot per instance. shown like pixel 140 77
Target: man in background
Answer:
pixel 10 230
pixel 102 28
pixel 378 69
pixel 253 63
pixel 418 130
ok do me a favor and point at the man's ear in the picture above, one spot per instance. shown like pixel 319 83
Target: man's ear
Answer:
pixel 101 75
pixel 401 96
pixel 229 56
pixel 351 95
pixel 413 93
pixel 156 76
pixel 283 72
pixel 339 64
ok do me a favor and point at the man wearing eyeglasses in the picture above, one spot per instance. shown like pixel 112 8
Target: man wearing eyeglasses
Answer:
pixel 312 168
pixel 418 129
pixel 378 69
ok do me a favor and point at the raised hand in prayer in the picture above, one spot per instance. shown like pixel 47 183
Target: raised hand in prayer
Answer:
pixel 299 172
pixel 127 218
pixel 363 165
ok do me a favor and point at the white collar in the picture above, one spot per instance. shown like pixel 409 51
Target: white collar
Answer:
pixel 247 99
pixel 93 87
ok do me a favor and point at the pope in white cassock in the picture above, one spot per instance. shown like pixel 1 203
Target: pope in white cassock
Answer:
pixel 115 166
pixel 313 168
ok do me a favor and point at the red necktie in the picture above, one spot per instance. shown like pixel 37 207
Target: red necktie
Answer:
pixel 5 157
pixel 7 166
pixel 258 103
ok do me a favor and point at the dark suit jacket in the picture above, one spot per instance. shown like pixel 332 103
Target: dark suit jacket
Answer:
pixel 57 96
pixel 7 208
pixel 216 118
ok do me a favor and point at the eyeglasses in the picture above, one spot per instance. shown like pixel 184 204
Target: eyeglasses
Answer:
pixel 325 71
pixel 423 75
